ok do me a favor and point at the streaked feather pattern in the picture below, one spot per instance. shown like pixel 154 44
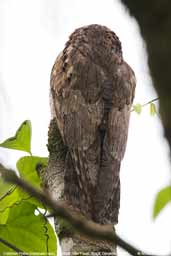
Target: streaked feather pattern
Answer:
pixel 92 89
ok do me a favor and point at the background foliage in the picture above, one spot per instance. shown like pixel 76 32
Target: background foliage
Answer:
pixel 22 221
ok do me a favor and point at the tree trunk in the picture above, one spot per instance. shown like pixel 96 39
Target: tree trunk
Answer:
pixel 71 242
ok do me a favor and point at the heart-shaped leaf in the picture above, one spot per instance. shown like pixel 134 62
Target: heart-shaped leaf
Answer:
pixel 21 140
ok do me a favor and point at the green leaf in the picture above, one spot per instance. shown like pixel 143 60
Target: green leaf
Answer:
pixel 14 197
pixel 162 199
pixel 4 216
pixel 10 195
pixel 4 187
pixel 152 109
pixel 137 108
pixel 10 198
pixel 28 167
pixel 7 200
pixel 29 233
pixel 21 140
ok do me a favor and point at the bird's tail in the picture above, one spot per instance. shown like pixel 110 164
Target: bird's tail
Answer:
pixel 107 196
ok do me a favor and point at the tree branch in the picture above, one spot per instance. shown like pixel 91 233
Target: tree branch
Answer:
pixel 79 222
pixel 149 102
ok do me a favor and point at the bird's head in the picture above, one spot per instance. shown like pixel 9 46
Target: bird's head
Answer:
pixel 98 42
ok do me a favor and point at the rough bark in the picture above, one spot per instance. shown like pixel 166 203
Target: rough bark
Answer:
pixel 155 22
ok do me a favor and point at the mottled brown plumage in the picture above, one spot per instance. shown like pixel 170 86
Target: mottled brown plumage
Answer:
pixel 92 90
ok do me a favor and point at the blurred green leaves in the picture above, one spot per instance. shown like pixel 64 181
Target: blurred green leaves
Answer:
pixel 19 225
pixel 28 232
pixel 137 108
pixel 152 109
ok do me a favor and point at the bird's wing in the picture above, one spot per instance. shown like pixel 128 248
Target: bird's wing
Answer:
pixel 118 121
pixel 107 197
pixel 76 90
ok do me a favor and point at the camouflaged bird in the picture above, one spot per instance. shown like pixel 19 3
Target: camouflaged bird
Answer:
pixel 92 91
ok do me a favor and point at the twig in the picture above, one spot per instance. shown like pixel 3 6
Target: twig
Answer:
pixel 79 222
pixel 149 102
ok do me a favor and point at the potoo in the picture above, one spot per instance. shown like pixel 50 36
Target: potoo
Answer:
pixel 92 91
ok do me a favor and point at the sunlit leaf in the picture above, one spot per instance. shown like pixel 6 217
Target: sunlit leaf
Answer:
pixel 4 187
pixel 29 166
pixel 6 201
pixel 4 216
pixel 21 140
pixel 10 198
pixel 28 232
pixel 11 195
pixel 162 199
pixel 152 109
pixel 14 197
pixel 137 108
